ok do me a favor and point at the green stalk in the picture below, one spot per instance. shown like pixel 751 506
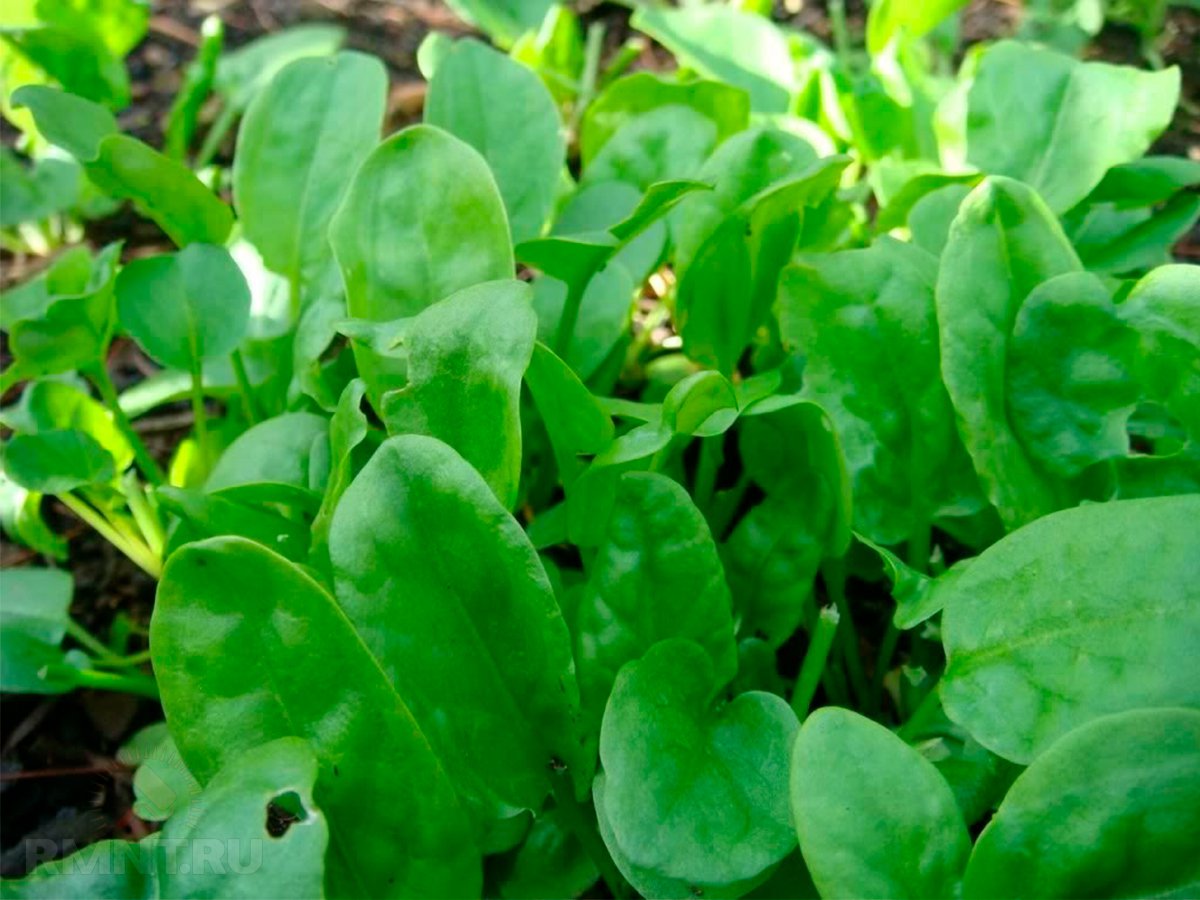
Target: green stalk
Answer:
pixel 711 452
pixel 725 506
pixel 212 141
pixel 126 683
pixel 593 48
pixel 200 414
pixel 834 573
pixel 98 375
pixel 244 387
pixel 927 711
pixel 145 515
pixel 820 643
pixel 137 552
pixel 580 819
pixel 570 316
pixel 919 544
pixel 841 31
pixel 85 639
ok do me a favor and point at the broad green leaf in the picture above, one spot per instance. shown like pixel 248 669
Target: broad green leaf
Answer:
pixel 33 622
pixel 422 219
pixel 1113 240
pixel 1029 108
pixel 246 647
pixel 874 817
pixel 204 515
pixel 479 95
pixel 724 43
pixel 865 322
pixel 695 788
pixel 302 140
pixel 727 107
pixel 467 355
pixel 55 405
pixel 1069 387
pixel 1110 810
pixel 656 576
pixel 220 846
pixel 422 550
pixel 729 285
pixel 280 457
pixel 57 461
pixel 666 143
pixel 1052 626
pixel 597 207
pixel 503 20
pixel 914 18
pixel 1003 244
pixel 184 307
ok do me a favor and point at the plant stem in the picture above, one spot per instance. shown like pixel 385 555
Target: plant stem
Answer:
pixel 216 134
pixel 98 375
pixel 592 51
pixel 126 683
pixel 137 552
pixel 725 506
pixel 200 414
pixel 89 642
pixel 569 318
pixel 820 643
pixel 244 387
pixel 917 553
pixel 841 32
pixel 580 819
pixel 834 573
pixel 927 710
pixel 711 453
pixel 145 515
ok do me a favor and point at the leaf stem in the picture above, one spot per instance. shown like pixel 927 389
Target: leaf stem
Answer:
pixel 137 551
pixel 99 377
pixel 841 32
pixel 580 819
pixel 820 643
pixel 244 386
pixel 88 641
pixel 592 51
pixel 144 514
pixel 917 553
pixel 570 316
pixel 711 453
pixel 124 682
pixel 834 573
pixel 199 413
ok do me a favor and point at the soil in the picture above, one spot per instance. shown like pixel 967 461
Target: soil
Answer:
pixel 59 778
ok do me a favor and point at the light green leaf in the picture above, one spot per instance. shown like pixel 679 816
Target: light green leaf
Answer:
pixel 57 461
pixel 467 355
pixel 1052 626
pixel 1110 810
pixel 874 817
pixel 221 596
pixel 33 622
pixel 422 549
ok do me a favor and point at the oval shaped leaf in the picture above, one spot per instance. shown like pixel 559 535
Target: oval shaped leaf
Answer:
pixel 248 648
pixel 185 307
pixel 874 817
pixel 1110 810
pixel 1053 626
pixel 423 554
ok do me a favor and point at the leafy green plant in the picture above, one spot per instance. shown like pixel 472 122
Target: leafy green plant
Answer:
pixel 772 477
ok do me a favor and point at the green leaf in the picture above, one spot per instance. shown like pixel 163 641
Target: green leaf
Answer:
pixel 913 18
pixel 874 817
pixel 1069 385
pixel 244 72
pixel 422 219
pixel 185 307
pixel 65 120
pixel 219 846
pixel 56 405
pixel 657 545
pixel 728 286
pixel 33 622
pixel 727 107
pixel 422 549
pixel 1067 827
pixel 721 42
pixel 865 322
pixel 204 515
pixel 1003 244
pixel 549 863
pixel 244 644
pixel 300 144
pixel 467 354
pixel 695 790
pixel 479 95
pixel 1029 108
pixel 280 458
pixel 1053 626
pixel 57 461
pixel 666 143
pixel 21 519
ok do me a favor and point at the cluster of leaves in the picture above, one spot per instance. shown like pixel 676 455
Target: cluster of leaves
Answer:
pixel 574 440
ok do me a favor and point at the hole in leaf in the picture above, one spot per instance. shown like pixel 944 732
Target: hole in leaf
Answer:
pixel 283 812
